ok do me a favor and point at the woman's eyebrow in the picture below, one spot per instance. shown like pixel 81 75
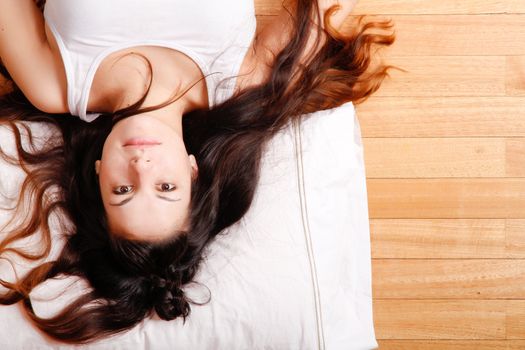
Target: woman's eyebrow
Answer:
pixel 122 202
pixel 130 198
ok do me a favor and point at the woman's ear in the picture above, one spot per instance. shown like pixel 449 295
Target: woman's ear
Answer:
pixel 194 167
pixel 97 167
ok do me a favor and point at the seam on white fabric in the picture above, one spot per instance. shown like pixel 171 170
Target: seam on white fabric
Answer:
pixel 306 229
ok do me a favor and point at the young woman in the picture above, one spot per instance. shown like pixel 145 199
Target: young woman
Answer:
pixel 144 200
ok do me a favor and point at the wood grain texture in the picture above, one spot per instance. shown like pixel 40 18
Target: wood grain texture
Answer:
pixel 451 344
pixel 447 238
pixel 515 241
pixel 443 157
pixel 515 158
pixel 449 278
pixel 446 198
pixel 449 7
pixel 417 7
pixel 449 319
pixel 442 117
pixel 446 76
pixel 461 35
pixel 515 71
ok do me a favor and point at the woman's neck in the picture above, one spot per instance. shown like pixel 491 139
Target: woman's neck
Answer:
pixel 123 77
pixel 171 116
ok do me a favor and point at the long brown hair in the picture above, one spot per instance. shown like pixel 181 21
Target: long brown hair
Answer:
pixel 129 278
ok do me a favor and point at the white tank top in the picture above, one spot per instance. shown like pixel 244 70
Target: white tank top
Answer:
pixel 215 34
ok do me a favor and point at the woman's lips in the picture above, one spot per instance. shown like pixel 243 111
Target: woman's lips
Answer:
pixel 140 141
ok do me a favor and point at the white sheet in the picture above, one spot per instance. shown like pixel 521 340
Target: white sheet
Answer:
pixel 267 291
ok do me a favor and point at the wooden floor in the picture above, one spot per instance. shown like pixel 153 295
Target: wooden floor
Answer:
pixel 445 159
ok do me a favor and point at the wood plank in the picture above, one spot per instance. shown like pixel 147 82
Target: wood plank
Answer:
pixel 416 7
pixel 449 319
pixel 451 7
pixel 515 240
pixel 446 76
pixel 451 344
pixel 448 279
pixel 446 198
pixel 438 35
pixel 516 320
pixel 515 75
pixel 445 35
pixel 447 238
pixel 442 157
pixel 515 157
pixel 442 117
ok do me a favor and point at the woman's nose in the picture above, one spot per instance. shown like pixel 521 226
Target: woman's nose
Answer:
pixel 141 161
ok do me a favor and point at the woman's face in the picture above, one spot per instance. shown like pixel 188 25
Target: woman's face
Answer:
pixel 145 177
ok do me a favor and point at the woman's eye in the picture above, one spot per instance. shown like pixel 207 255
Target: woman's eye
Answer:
pixel 166 187
pixel 122 189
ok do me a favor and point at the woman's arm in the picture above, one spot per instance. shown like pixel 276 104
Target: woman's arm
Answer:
pixel 27 55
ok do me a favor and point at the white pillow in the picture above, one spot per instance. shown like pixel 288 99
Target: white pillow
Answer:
pixel 294 273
